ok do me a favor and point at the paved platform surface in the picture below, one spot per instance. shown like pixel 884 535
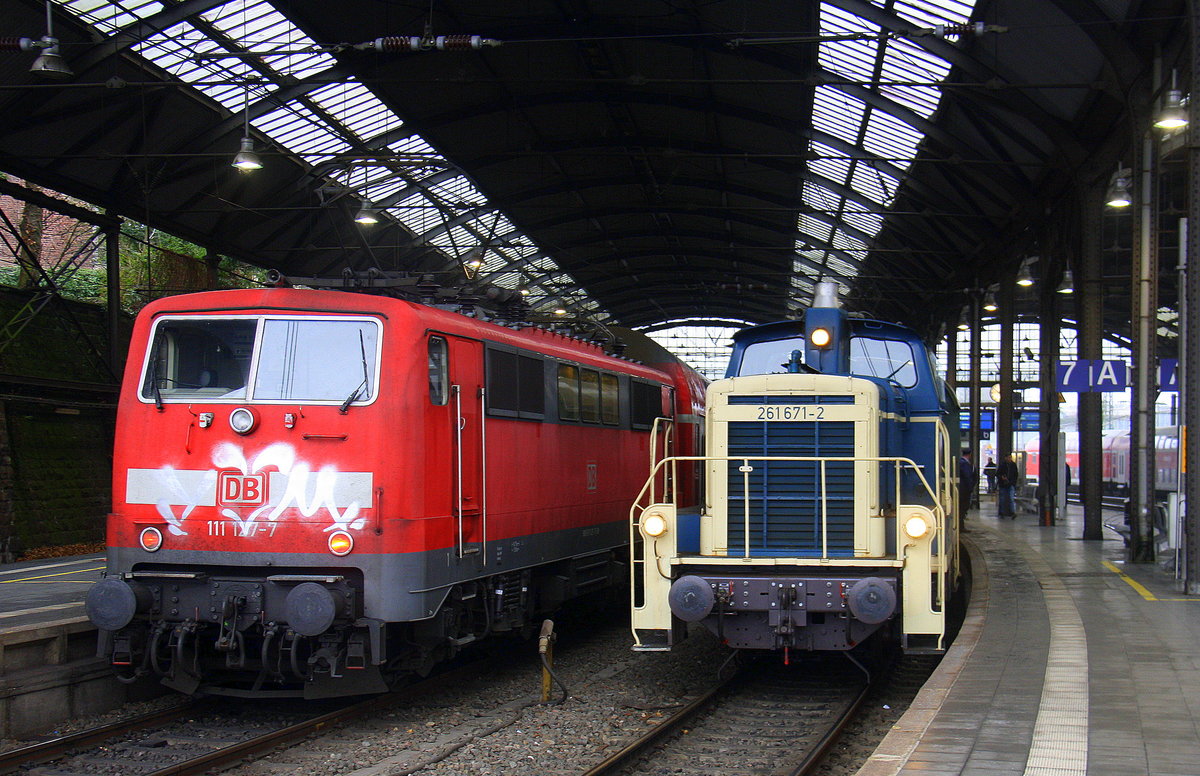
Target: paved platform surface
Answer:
pixel 38 592
pixel 1071 662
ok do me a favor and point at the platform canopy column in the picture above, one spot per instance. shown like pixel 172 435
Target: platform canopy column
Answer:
pixel 1090 304
pixel 1004 410
pixel 1191 344
pixel 1050 456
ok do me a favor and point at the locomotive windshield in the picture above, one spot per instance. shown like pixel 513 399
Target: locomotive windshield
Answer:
pixel 869 357
pixel 262 359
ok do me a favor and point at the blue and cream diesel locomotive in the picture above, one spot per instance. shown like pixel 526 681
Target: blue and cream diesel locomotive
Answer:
pixel 831 507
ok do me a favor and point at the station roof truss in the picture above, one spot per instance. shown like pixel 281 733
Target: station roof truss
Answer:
pixel 636 161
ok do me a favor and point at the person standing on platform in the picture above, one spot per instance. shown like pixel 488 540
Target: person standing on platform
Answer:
pixel 966 482
pixel 1006 479
pixel 989 471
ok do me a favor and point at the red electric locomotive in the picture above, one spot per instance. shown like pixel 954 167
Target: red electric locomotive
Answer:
pixel 316 492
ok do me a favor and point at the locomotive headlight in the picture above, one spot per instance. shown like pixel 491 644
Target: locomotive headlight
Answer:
pixel 820 337
pixel 916 526
pixel 340 543
pixel 243 420
pixel 654 524
pixel 150 539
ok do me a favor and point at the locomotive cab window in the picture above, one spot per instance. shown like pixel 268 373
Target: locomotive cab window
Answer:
pixel 199 359
pixel 438 371
pixel 317 360
pixel 888 359
pixel 770 357
pixel 255 358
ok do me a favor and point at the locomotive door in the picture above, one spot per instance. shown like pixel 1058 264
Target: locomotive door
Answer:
pixel 469 466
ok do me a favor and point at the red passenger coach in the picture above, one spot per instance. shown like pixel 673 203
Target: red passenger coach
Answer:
pixel 317 492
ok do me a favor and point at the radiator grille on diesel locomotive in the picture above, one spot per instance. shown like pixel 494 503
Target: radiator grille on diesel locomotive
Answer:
pixel 785 497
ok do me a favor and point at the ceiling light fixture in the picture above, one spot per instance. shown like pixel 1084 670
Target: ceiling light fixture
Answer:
pixel 1118 188
pixel 989 302
pixel 1172 115
pixel 367 214
pixel 1024 276
pixel 1067 286
pixel 247 159
pixel 49 63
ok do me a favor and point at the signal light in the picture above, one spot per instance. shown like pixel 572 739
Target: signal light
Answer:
pixel 340 543
pixel 151 539
pixel 820 338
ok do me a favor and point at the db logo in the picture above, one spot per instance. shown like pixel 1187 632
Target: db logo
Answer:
pixel 247 490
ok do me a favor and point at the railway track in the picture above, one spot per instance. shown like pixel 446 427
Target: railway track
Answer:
pixel 766 719
pixel 199 737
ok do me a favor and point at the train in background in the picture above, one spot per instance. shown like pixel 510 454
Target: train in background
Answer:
pixel 831 506
pixel 1116 461
pixel 318 492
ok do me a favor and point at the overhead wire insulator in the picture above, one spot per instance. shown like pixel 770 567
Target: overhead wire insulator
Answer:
pixel 396 43
pixel 10 43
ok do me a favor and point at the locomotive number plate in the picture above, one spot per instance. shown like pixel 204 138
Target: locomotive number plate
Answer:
pixel 792 412
pixel 223 528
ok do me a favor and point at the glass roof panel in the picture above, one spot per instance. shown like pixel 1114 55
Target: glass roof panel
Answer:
pixel 109 17
pixel 354 107
pixel 888 136
pixel 837 113
pixel 260 28
pixel 873 183
pixel 416 214
pixel 834 169
pixel 899 69
pixel 297 129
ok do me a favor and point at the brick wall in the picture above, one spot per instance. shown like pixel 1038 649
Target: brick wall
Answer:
pixel 57 408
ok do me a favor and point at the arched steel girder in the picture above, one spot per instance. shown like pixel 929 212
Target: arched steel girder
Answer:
pixel 139 32
pixel 887 166
pixel 1122 62
pixel 673 304
pixel 618 265
pixel 730 323
pixel 506 104
pixel 1017 101
pixel 802 173
pixel 998 187
pixel 716 212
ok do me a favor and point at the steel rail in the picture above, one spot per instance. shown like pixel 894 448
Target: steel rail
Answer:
pixel 806 767
pixel 57 747
pixel 15 759
pixel 817 754
pixel 612 763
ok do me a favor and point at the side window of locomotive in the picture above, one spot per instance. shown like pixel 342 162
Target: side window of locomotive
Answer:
pixel 568 392
pixel 516 385
pixel 199 358
pixel 438 372
pixel 610 399
pixel 769 358
pixel 317 360
pixel 888 359
pixel 589 395
pixel 645 404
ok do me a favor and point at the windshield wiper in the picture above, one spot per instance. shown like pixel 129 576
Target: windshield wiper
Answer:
pixel 154 380
pixel 365 381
